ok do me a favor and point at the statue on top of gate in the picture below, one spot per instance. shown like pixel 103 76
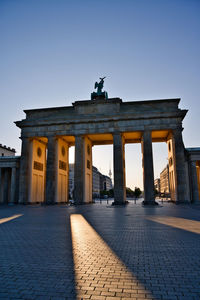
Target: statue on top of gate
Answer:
pixel 99 94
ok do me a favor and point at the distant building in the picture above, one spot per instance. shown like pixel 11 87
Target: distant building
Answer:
pixel 6 151
pixel 164 180
pixel 71 179
pixel 157 184
pixel 105 183
pixel 9 174
pixel 95 182
pixel 99 181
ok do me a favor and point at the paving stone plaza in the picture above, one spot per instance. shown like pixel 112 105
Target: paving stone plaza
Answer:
pixel 100 252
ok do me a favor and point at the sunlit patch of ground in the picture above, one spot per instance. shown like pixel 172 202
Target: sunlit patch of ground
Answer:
pixel 99 273
pixel 181 223
pixel 3 220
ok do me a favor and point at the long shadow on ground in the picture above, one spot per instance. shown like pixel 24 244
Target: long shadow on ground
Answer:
pixel 164 259
pixel 36 254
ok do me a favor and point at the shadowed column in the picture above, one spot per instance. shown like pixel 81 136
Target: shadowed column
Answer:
pixel 194 182
pixel 24 177
pixel 83 170
pixel 6 193
pixel 78 170
pixel 180 163
pixel 148 174
pixel 51 171
pixel 1 186
pixel 119 169
pixel 13 185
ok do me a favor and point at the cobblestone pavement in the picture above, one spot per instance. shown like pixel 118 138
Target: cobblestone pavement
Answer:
pixel 130 252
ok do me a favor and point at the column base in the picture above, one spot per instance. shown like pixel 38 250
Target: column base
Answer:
pixel 120 203
pixel 147 203
pixel 51 203
pixel 48 203
pixel 195 204
pixel 182 202
pixel 83 203
pixel 23 202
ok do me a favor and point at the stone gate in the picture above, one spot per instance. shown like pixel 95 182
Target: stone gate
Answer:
pixel 48 133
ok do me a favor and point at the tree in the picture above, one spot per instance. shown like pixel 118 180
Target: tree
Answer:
pixel 137 192
pixel 129 192
pixel 111 193
pixel 103 193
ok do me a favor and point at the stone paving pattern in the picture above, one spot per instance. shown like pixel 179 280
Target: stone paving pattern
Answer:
pixel 149 257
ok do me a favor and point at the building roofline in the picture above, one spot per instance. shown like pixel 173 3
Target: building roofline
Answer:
pixel 82 102
pixel 193 149
pixel 7 148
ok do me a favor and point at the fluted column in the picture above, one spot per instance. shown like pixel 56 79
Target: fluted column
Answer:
pixel 148 173
pixel 194 182
pixel 182 190
pixel 51 171
pixel 13 185
pixel 6 186
pixel 24 173
pixel 1 186
pixel 119 169
pixel 79 170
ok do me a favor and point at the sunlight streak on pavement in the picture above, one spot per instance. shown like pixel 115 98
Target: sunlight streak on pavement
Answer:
pixel 9 218
pixel 181 223
pixel 99 273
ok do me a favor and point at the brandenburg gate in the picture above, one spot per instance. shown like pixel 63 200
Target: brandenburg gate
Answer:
pixel 48 133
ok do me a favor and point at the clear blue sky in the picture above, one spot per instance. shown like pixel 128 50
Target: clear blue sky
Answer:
pixel 52 52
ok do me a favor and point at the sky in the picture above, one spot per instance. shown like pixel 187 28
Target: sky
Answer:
pixel 52 52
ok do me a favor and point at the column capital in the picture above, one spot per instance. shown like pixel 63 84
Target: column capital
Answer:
pixel 79 137
pixel 51 138
pixel 146 135
pixel 146 131
pixel 177 132
pixel 193 162
pixel 118 137
pixel 117 133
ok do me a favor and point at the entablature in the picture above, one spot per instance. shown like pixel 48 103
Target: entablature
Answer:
pixel 91 117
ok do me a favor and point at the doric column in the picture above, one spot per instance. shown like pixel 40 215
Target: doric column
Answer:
pixel 148 173
pixel 51 171
pixel 1 186
pixel 182 191
pixel 194 182
pixel 24 173
pixel 83 170
pixel 119 169
pixel 79 170
pixel 13 185
pixel 6 186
